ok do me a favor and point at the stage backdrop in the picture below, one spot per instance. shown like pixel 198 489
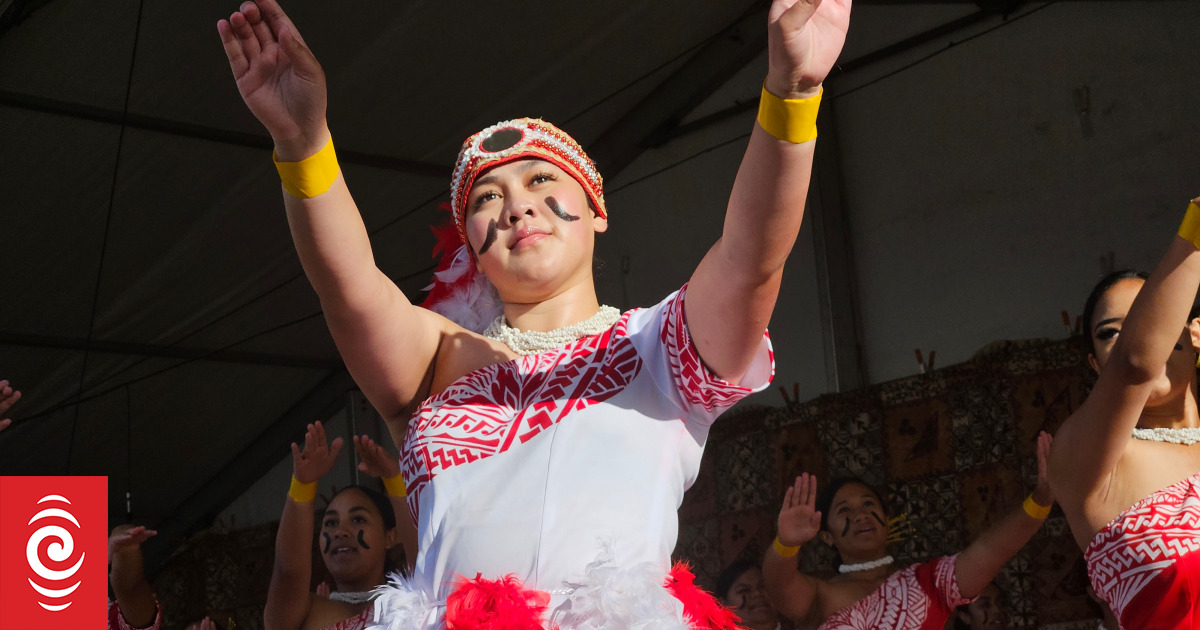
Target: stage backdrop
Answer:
pixel 954 449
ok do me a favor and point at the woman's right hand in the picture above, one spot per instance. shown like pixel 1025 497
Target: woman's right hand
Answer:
pixel 317 458
pixel 278 77
pixel 799 521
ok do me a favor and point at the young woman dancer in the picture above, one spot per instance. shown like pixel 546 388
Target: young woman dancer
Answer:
pixel 357 529
pixel 547 458
pixel 871 592
pixel 1126 465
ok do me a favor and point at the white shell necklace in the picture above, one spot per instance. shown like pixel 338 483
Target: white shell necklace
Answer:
pixel 1183 435
pixel 865 566
pixel 352 597
pixel 526 342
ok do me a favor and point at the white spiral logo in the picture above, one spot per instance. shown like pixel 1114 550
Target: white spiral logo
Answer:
pixel 59 551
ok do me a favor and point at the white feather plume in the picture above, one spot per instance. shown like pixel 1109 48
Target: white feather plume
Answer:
pixel 611 597
pixel 401 604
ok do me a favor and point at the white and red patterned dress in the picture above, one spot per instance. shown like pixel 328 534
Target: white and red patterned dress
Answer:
pixel 543 465
pixel 1145 562
pixel 919 597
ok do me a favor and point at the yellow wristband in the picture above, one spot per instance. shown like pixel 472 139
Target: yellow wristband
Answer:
pixel 784 550
pixel 1034 509
pixel 395 486
pixel 311 176
pixel 1190 228
pixel 302 492
pixel 790 120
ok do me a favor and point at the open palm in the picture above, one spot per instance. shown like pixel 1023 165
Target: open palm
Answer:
pixel 318 456
pixel 799 521
pixel 277 75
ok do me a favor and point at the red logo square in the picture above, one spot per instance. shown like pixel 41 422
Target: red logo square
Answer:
pixel 53 553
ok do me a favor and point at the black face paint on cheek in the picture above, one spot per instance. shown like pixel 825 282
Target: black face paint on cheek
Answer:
pixel 558 211
pixel 362 541
pixel 328 541
pixel 878 518
pixel 846 528
pixel 491 237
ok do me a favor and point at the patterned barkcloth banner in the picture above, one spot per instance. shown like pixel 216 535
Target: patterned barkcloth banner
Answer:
pixel 53 553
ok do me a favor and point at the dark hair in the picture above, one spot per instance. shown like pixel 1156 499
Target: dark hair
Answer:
pixel 825 496
pixel 382 503
pixel 730 574
pixel 1098 291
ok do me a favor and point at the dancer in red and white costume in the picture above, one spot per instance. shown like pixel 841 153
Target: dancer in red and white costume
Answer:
pixel 1127 467
pixel 553 476
pixel 871 592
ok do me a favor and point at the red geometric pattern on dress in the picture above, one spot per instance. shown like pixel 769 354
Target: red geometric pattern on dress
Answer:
pixel 697 384
pixel 905 601
pixel 358 622
pixel 1143 541
pixel 489 410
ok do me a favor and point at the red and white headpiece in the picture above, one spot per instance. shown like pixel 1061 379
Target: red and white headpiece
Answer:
pixel 458 291
pixel 516 139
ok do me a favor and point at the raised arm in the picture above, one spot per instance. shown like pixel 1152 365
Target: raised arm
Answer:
pixel 288 597
pixel 1092 440
pixel 372 322
pixel 135 598
pixel 733 290
pixel 376 461
pixel 979 563
pixel 793 593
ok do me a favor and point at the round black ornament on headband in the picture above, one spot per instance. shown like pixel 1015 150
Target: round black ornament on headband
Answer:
pixel 502 139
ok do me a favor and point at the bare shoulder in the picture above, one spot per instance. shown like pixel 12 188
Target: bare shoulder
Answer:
pixel 460 352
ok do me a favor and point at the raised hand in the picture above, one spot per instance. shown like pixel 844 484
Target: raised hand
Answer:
pixel 323 589
pixel 203 624
pixel 804 39
pixel 8 397
pixel 375 460
pixel 799 521
pixel 1042 493
pixel 128 538
pixel 317 458
pixel 278 77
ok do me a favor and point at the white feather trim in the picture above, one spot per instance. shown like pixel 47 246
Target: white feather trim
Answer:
pixel 401 604
pixel 474 305
pixel 611 597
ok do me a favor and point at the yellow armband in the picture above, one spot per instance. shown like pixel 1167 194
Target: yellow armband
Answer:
pixel 1036 510
pixel 311 176
pixel 395 486
pixel 790 120
pixel 302 492
pixel 1190 228
pixel 785 550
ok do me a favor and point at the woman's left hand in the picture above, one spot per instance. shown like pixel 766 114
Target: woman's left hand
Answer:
pixel 375 460
pixel 804 39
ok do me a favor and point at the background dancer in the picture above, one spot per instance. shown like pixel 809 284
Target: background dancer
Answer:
pixel 871 592
pixel 1127 470
pixel 550 456
pixel 357 529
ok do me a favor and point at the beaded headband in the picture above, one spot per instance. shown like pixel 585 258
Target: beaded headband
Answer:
pixel 512 140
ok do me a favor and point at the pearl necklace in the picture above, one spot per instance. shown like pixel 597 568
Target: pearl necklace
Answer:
pixel 526 342
pixel 866 566
pixel 1183 435
pixel 352 597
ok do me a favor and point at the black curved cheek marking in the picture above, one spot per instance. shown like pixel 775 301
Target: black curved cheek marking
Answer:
pixel 846 528
pixel 362 541
pixel 558 211
pixel 491 237
pixel 328 541
pixel 878 518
